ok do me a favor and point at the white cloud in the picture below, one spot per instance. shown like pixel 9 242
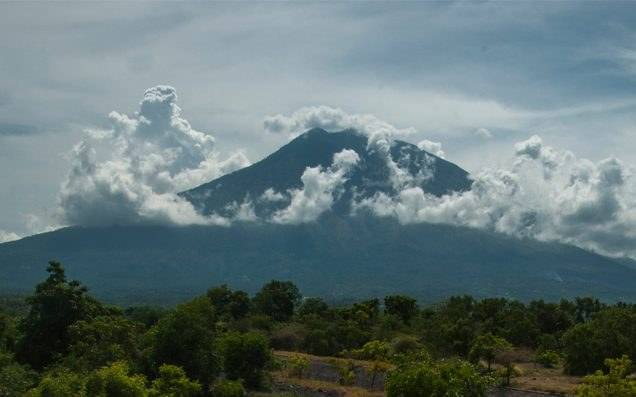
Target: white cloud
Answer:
pixel 546 194
pixel 320 188
pixel 149 157
pixel 483 133
pixel 431 147
pixel 6 236
pixel 330 119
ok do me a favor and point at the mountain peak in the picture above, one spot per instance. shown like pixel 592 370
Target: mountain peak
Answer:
pixel 281 172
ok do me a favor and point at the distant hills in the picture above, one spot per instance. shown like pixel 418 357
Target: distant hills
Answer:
pixel 339 257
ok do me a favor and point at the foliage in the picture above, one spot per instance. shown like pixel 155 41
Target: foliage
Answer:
pixel 101 341
pixel 116 380
pixel 228 388
pixel 15 379
pixel 235 304
pixel 548 358
pixel 402 306
pixel 173 382
pixel 297 365
pixel 611 333
pixel 55 306
pixel 60 382
pixel 245 357
pixel 346 371
pixel 613 384
pixel 372 350
pixel 186 338
pixel 278 299
pixel 487 347
pixel 446 378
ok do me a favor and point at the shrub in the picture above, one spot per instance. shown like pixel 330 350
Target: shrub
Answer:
pixel 245 357
pixel 297 365
pixel 549 359
pixel 228 388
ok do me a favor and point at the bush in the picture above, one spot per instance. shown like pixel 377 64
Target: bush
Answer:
pixel 173 382
pixel 228 388
pixel 549 359
pixel 405 344
pixel 59 383
pixel 446 378
pixel 245 357
pixel 614 384
pixel 297 365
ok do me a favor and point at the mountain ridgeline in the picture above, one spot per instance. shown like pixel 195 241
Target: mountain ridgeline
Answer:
pixel 282 170
pixel 339 256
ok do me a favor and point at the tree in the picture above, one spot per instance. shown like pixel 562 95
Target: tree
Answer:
pixel 228 388
pixel 427 378
pixel 55 306
pixel 278 299
pixel 313 307
pixel 611 333
pixel 116 381
pixel 103 340
pixel 173 382
pixel 402 306
pixel 15 379
pixel 487 347
pixel 60 382
pixel 227 302
pixel 186 338
pixel 613 384
pixel 245 357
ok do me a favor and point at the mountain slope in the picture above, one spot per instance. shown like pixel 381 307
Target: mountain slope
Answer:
pixel 337 258
pixel 282 170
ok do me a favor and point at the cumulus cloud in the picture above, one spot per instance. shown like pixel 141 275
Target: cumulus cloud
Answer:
pixel 546 194
pixel 330 119
pixel 149 157
pixel 320 188
pixel 6 236
pixel 431 147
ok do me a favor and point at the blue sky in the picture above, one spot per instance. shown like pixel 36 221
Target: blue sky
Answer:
pixel 562 70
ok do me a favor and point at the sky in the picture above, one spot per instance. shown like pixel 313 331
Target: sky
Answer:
pixel 476 77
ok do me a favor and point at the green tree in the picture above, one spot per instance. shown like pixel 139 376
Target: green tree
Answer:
pixel 313 307
pixel 245 357
pixel 278 299
pixel 55 306
pixel 228 388
pixel 101 341
pixel 15 379
pixel 186 338
pixel 427 379
pixel 402 306
pixel 116 381
pixel 229 303
pixel 611 333
pixel 173 382
pixel 487 347
pixel 60 382
pixel 613 384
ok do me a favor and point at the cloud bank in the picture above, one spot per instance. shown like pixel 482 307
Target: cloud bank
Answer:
pixel 147 159
pixel 330 119
pixel 546 194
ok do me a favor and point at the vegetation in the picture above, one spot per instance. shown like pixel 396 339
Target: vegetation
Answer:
pixel 66 343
